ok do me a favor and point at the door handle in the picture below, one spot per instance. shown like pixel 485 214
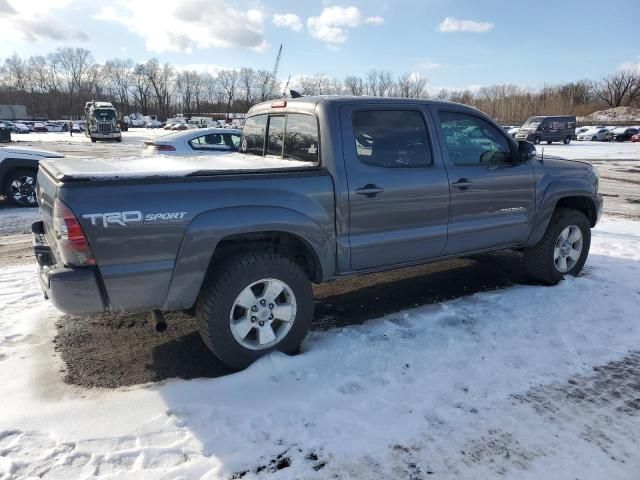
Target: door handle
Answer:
pixel 462 184
pixel 369 190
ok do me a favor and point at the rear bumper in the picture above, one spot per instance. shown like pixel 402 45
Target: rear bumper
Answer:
pixel 75 291
pixel 72 290
pixel 106 135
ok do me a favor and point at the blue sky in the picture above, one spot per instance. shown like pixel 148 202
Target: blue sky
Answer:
pixel 455 43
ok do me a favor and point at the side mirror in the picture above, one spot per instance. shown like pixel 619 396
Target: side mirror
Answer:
pixel 527 151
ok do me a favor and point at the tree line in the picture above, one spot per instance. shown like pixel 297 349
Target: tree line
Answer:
pixel 58 84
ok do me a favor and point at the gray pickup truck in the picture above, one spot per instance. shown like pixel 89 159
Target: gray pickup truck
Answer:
pixel 323 187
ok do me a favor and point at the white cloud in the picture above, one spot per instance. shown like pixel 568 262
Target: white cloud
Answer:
pixel 451 24
pixel 428 65
pixel 333 23
pixel 211 68
pixel 35 21
pixel 631 66
pixel 188 24
pixel 288 20
pixel 374 20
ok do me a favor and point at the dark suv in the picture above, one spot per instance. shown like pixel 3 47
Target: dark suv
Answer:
pixel 549 129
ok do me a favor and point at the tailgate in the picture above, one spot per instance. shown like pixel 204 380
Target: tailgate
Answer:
pixel 46 191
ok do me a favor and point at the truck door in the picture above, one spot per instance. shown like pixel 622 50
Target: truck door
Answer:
pixel 398 187
pixel 492 194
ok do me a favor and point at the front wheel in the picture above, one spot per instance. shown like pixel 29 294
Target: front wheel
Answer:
pixel 20 187
pixel 567 140
pixel 254 304
pixel 536 140
pixel 548 142
pixel 562 250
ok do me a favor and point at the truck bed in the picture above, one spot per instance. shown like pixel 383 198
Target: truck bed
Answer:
pixel 186 206
pixel 84 169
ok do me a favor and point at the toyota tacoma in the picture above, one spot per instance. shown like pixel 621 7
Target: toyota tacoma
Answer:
pixel 322 187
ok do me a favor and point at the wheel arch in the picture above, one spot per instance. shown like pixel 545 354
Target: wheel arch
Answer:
pixel 9 164
pixel 213 236
pixel 577 197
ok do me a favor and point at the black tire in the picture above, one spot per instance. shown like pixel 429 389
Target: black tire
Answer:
pixel 593 139
pixel 539 259
pixel 26 195
pixel 119 140
pixel 93 140
pixel 220 291
pixel 567 140
pixel 548 142
pixel 536 140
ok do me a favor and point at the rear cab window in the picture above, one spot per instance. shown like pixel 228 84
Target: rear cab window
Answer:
pixel 291 136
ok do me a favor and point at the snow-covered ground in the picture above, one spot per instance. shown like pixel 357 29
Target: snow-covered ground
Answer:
pixel 134 135
pixel 587 150
pixel 498 384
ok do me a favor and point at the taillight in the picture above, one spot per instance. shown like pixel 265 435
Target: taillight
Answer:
pixel 164 148
pixel 72 242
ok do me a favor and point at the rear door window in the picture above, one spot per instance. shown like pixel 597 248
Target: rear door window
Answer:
pixel 391 138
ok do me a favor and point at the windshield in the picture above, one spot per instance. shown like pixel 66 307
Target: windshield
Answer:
pixel 104 115
pixel 533 122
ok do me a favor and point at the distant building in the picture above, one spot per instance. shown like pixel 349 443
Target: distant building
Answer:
pixel 13 112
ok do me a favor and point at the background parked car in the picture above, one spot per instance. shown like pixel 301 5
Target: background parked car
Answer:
pixel 582 130
pixel 20 128
pixel 624 134
pixel 55 127
pixel 40 127
pixel 594 134
pixel 201 141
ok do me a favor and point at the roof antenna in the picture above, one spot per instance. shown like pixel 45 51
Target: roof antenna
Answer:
pixel 294 94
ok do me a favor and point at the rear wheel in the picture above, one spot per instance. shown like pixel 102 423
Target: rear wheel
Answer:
pixel 536 140
pixel 93 140
pixel 20 187
pixel 593 139
pixel 567 140
pixel 254 304
pixel 548 142
pixel 562 250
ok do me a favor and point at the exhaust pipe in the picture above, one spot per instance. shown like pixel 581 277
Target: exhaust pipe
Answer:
pixel 158 320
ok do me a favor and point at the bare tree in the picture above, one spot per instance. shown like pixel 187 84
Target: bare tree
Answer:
pixel 228 81
pixel 117 74
pixel 73 64
pixel 618 88
pixel 354 85
pixel 385 83
pixel 264 85
pixel 247 77
pixel 371 86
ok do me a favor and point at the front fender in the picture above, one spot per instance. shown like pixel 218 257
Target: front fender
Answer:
pixel 209 228
pixel 554 192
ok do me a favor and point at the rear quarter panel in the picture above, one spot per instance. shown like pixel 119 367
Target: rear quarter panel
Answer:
pixel 141 262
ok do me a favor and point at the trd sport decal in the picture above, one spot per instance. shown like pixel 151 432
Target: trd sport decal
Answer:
pixel 133 217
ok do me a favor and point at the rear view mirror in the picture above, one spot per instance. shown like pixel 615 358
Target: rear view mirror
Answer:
pixel 527 151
